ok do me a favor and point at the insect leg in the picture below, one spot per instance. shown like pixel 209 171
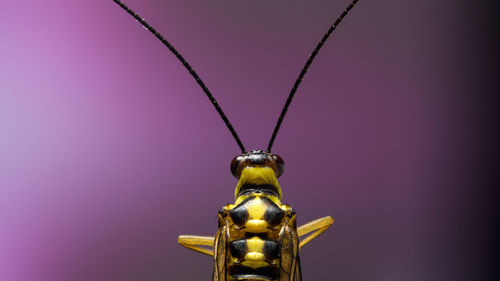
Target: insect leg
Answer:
pixel 318 226
pixel 194 242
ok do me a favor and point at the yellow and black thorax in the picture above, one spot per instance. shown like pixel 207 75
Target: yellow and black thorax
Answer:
pixel 255 222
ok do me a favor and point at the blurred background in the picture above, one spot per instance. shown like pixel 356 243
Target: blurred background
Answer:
pixel 109 149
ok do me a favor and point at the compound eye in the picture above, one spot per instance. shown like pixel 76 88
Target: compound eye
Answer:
pixel 235 163
pixel 280 164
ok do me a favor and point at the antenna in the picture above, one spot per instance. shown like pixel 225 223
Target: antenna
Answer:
pixel 304 70
pixel 189 68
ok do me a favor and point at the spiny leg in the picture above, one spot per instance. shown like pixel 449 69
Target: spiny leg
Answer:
pixel 194 241
pixel 318 226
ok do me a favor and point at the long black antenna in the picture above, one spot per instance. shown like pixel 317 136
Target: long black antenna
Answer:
pixel 189 68
pixel 304 70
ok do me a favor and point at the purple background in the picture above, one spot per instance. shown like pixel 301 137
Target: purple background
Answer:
pixel 109 149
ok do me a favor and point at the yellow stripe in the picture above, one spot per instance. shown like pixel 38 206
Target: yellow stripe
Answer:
pixel 257 175
pixel 255 257
pixel 256 209
pixel 255 244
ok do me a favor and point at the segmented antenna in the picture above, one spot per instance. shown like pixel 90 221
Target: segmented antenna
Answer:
pixel 189 68
pixel 304 70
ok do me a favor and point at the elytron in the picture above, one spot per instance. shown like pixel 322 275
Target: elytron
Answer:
pixel 257 237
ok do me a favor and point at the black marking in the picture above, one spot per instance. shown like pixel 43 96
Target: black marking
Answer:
pixel 249 188
pixel 240 272
pixel 239 214
pixel 271 250
pixel 273 215
pixel 262 235
pixel 238 249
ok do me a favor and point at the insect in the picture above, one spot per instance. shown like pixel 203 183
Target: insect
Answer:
pixel 257 237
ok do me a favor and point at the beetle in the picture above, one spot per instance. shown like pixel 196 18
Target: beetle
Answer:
pixel 257 237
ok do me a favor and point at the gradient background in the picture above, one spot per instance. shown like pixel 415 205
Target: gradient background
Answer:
pixel 109 149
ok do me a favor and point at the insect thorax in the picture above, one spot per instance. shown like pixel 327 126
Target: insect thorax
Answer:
pixel 256 224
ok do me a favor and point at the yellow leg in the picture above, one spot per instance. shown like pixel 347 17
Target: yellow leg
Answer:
pixel 194 241
pixel 318 226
